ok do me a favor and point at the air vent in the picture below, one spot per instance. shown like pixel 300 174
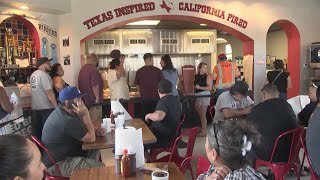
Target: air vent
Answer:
pixel 103 42
pixel 166 41
pixel 139 41
pixel 200 41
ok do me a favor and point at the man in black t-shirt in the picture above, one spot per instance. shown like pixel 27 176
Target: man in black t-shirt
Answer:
pixel 272 117
pixel 166 118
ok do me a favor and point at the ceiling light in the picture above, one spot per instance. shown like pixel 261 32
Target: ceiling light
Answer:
pixel 220 39
pixel 146 22
pixel 24 7
pixel 203 24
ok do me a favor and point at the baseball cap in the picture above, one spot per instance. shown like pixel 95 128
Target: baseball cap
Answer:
pixel 43 60
pixel 68 93
pixel 222 56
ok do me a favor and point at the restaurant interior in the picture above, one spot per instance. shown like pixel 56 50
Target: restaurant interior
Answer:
pixel 57 30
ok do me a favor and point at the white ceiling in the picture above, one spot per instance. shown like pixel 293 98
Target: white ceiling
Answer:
pixel 55 7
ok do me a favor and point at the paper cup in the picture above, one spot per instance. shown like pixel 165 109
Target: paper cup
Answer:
pixel 119 122
pixel 160 175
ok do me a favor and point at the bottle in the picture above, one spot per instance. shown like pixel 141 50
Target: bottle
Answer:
pixel 125 164
pixel 132 156
pixel 112 118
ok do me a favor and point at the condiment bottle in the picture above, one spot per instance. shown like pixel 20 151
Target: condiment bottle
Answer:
pixel 125 164
pixel 112 118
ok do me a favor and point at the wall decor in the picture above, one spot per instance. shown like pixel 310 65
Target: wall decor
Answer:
pixel 66 60
pixel 53 53
pixel 44 46
pixel 65 42
pixel 47 29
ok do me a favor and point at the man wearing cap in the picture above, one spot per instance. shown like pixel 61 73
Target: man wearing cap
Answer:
pixel 43 100
pixel 91 83
pixel 234 103
pixel 68 126
pixel 224 74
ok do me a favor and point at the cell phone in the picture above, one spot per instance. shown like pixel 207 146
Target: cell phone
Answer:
pixel 70 105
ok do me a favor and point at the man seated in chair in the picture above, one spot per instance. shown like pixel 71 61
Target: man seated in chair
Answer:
pixel 165 120
pixel 67 127
pixel 272 117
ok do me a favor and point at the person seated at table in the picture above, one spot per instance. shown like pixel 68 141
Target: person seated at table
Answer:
pixel 228 145
pixel 306 112
pixel 20 158
pixel 67 127
pixel 272 117
pixel 312 138
pixel 234 103
pixel 165 119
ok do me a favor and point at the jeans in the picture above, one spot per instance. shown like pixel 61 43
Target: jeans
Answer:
pixel 38 118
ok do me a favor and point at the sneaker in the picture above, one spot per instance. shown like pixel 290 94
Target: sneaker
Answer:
pixel 182 144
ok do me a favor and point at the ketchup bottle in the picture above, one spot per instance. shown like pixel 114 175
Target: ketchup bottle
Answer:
pixel 112 118
pixel 125 164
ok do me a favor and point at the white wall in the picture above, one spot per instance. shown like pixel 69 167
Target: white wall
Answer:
pixel 236 45
pixel 277 44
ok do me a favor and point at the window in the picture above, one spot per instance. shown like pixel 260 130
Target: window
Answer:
pixel 103 42
pixel 137 41
pixel 229 51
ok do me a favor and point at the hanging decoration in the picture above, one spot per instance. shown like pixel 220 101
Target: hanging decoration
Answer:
pixel 54 53
pixel 44 46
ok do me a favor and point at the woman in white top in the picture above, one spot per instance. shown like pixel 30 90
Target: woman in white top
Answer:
pixel 116 80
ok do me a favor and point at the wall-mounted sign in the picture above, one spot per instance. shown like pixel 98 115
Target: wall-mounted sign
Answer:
pixel 66 60
pixel 50 31
pixel 169 7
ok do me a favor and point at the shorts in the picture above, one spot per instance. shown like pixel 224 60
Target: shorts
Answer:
pixel 95 113
pixel 204 101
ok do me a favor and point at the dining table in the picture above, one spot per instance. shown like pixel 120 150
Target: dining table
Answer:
pixel 108 172
pixel 108 141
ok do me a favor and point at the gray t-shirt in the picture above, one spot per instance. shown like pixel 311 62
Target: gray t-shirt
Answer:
pixel 226 101
pixel 62 134
pixel 40 82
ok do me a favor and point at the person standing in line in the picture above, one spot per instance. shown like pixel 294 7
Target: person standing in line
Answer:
pixel 224 74
pixel 43 100
pixel 280 78
pixel 91 83
pixel 56 74
pixel 116 80
pixel 169 73
pixel 203 85
pixel 147 79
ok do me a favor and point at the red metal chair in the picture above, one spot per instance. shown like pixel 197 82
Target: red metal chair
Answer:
pixel 280 169
pixel 302 141
pixel 174 155
pixel 155 152
pixel 203 165
pixel 48 176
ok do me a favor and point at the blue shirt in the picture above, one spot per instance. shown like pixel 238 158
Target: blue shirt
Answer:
pixel 172 76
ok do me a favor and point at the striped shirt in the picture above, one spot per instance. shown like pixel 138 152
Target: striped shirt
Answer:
pixel 246 173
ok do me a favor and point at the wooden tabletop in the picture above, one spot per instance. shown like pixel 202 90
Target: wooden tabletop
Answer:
pixel 108 141
pixel 108 172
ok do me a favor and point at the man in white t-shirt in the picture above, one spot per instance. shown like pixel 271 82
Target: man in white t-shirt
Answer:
pixel 233 103
pixel 43 100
